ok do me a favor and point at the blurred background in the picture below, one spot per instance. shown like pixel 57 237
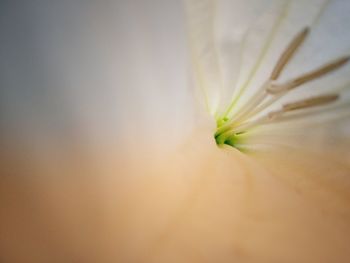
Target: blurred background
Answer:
pixel 84 86
pixel 92 96
pixel 92 71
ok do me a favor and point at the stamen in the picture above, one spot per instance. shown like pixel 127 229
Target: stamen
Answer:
pixel 288 53
pixel 303 104
pixel 233 130
pixel 276 116
pixel 304 115
pixel 282 62
pixel 323 70
pixel 310 102
pixel 250 105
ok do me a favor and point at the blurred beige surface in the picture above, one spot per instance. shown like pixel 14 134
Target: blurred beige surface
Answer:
pixel 197 204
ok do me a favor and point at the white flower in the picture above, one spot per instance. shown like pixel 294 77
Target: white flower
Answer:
pixel 251 64
pixel 113 156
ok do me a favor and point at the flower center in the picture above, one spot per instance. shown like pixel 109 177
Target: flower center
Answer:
pixel 232 130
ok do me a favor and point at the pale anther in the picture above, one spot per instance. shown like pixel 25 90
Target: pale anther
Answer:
pixel 310 102
pixel 312 75
pixel 289 52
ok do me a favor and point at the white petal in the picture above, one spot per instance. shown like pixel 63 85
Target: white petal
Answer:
pixel 201 20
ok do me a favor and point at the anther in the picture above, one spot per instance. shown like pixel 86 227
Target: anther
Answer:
pixel 303 104
pixel 311 102
pixel 312 75
pixel 288 53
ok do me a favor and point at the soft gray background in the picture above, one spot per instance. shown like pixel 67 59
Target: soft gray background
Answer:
pixel 93 70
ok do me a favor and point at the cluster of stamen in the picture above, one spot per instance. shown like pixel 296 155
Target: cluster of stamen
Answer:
pixel 230 129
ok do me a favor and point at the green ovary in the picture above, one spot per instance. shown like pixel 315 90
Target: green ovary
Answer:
pixel 235 140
